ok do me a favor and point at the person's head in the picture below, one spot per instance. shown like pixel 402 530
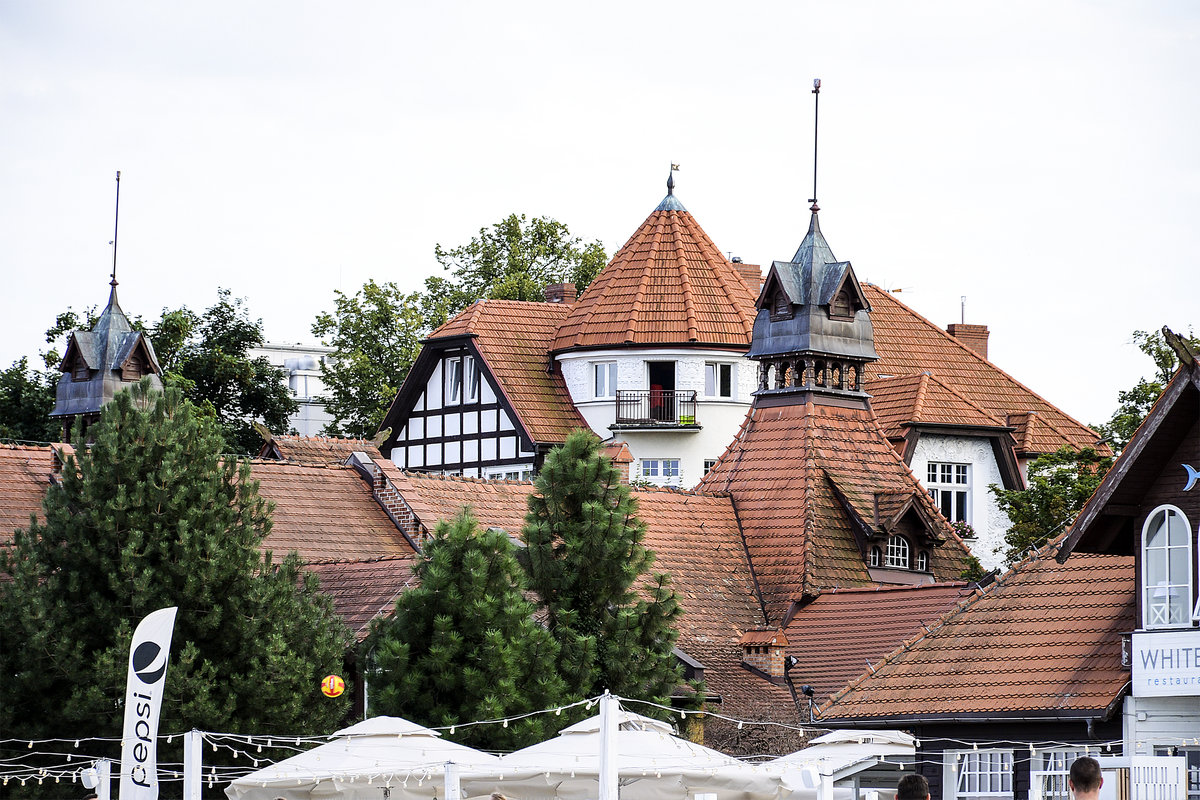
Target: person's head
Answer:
pixel 1085 776
pixel 912 787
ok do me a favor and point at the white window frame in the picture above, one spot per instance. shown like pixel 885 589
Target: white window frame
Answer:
pixel 604 379
pixel 454 381
pixel 1049 771
pixel 876 555
pixel 948 482
pixel 1176 611
pixel 712 379
pixel 898 553
pixel 472 378
pixel 921 562
pixel 979 774
pixel 660 467
pixel 709 463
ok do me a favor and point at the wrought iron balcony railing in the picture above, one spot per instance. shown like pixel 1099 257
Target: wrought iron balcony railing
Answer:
pixel 656 407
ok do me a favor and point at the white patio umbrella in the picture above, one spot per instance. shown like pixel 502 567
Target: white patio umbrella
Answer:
pixel 360 761
pixel 652 764
pixel 839 755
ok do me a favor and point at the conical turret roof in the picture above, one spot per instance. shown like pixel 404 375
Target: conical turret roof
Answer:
pixel 668 286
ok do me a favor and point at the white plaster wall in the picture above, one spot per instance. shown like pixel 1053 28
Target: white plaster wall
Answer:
pixel 719 419
pixel 989 522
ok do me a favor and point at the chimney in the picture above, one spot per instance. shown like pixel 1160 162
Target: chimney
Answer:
pixel 621 457
pixel 973 336
pixel 765 651
pixel 560 293
pixel 751 274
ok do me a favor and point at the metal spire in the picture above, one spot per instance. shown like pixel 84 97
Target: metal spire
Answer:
pixel 671 179
pixel 116 220
pixel 816 115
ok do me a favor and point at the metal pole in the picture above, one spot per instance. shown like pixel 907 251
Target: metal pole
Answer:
pixel 193 766
pixel 608 747
pixel 116 221
pixel 816 115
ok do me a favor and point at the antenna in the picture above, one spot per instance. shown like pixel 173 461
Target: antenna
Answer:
pixel 116 220
pixel 816 115
pixel 963 308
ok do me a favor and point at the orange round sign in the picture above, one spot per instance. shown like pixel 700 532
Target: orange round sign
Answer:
pixel 332 686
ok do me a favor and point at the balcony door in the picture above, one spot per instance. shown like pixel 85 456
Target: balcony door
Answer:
pixel 661 376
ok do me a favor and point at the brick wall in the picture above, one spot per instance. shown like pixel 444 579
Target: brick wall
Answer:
pixel 973 336
pixel 768 658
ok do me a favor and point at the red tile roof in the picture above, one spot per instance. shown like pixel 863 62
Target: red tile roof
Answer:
pixel 514 339
pixel 364 590
pixel 24 477
pixel 696 540
pixel 669 285
pixel 923 398
pixel 1044 639
pixel 316 449
pixel 785 470
pixel 909 344
pixel 836 635
pixel 325 512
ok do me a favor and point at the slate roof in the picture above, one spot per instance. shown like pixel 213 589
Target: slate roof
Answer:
pixel 669 285
pixel 364 590
pixel 789 470
pixel 1044 640
pixel 696 540
pixel 924 399
pixel 836 635
pixel 316 449
pixel 325 511
pixel 909 344
pixel 24 477
pixel 514 338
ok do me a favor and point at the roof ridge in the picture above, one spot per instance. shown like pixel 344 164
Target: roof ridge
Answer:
pixel 933 376
pixel 976 356
pixel 685 280
pixel 922 390
pixel 631 328
pixel 731 272
pixel 320 562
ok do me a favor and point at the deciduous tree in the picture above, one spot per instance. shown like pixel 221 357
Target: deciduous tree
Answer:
pixel 1059 483
pixel 150 516
pixel 1135 403
pixel 613 618
pixel 515 259
pixel 26 400
pixel 375 335
pixel 463 645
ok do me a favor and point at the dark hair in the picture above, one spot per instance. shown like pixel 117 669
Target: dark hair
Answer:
pixel 1085 774
pixel 912 787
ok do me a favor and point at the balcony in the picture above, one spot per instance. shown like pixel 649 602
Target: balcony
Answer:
pixel 656 409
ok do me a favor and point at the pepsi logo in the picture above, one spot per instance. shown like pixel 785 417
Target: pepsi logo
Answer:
pixel 149 662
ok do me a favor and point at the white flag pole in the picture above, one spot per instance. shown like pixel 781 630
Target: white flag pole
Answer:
pixel 608 747
pixel 148 654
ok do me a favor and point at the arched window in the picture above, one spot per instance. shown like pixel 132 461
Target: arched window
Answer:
pixel 1166 569
pixel 897 552
pixel 840 307
pixel 876 556
pixel 922 564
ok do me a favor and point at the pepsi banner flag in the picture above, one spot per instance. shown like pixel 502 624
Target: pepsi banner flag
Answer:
pixel 143 700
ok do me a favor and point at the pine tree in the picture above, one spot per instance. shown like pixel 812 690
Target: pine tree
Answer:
pixel 149 516
pixel 463 645
pixel 585 559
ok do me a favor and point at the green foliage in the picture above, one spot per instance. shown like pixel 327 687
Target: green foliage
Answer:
pixel 585 559
pixel 513 260
pixel 375 335
pixel 26 400
pixel 1059 483
pixel 207 357
pixel 149 516
pixel 464 646
pixel 1135 403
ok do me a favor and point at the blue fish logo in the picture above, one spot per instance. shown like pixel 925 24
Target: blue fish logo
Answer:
pixel 1193 476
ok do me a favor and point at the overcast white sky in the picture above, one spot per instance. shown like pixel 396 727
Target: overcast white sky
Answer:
pixel 1040 158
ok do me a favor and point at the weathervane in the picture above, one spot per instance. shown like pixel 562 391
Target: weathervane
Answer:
pixel 116 220
pixel 671 178
pixel 816 112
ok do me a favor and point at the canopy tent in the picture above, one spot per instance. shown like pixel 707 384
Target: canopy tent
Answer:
pixel 866 760
pixel 359 761
pixel 652 764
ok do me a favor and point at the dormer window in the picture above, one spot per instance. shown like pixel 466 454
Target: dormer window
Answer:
pixel 80 370
pixel 840 308
pixel 922 561
pixel 897 552
pixel 876 556
pixel 781 306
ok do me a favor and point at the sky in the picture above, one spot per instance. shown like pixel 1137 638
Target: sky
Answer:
pixel 1039 159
